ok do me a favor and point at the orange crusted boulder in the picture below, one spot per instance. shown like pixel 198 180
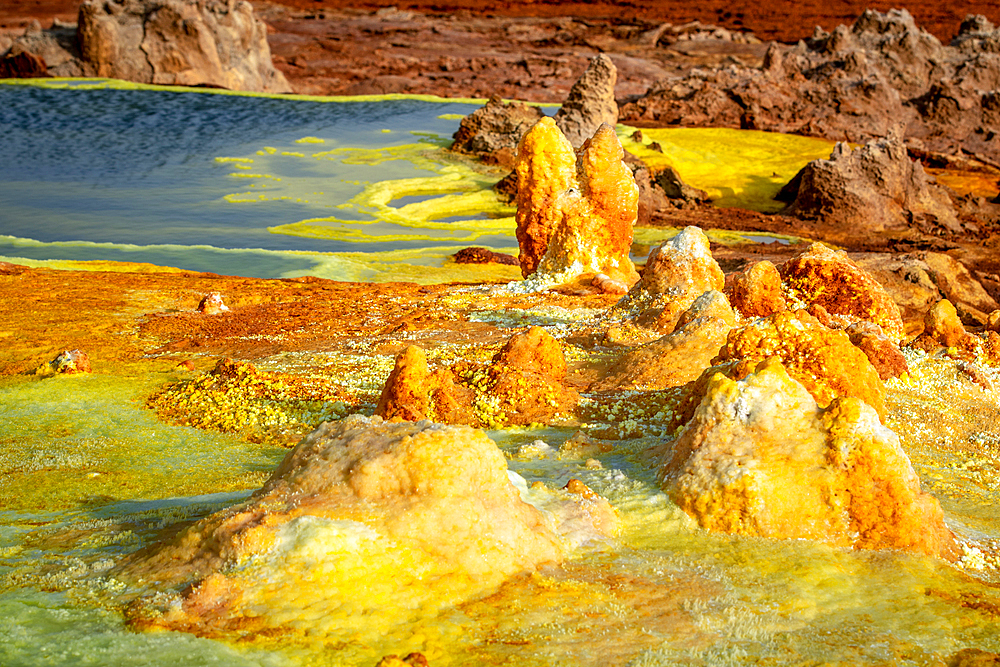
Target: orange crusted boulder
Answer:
pixel 677 272
pixel 822 359
pixel 760 457
pixel 825 277
pixel 756 292
pixel 413 393
pixel 574 215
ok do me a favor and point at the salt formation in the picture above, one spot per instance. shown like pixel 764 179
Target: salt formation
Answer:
pixel 677 272
pixel 212 304
pixel 574 215
pixel 759 457
pixel 873 188
pixel 524 383
pixel 364 524
pixel 176 42
pixel 823 360
pixel 680 356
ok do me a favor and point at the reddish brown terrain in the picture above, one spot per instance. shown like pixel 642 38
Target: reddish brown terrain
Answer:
pixel 523 49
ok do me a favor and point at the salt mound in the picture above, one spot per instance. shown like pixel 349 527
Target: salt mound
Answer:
pixel 364 524
pixel 761 458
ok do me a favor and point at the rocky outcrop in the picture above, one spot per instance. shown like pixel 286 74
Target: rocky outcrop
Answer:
pixel 591 102
pixel 757 291
pixel 823 360
pixel 760 457
pixel 360 513
pixel 871 189
pixel 881 75
pixel 677 272
pixel 169 42
pixel 524 383
pixel 679 357
pixel 493 131
pixel 574 216
pixel 828 279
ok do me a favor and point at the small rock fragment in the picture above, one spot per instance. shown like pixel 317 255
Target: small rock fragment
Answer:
pixel 212 304
pixel 756 291
pixel 591 102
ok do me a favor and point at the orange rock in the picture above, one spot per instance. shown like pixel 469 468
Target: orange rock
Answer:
pixel 678 357
pixel 882 352
pixel 67 362
pixel 526 380
pixel 943 328
pixel 677 272
pixel 413 392
pixel 822 359
pixel 575 216
pixel 827 278
pixel 756 292
pixel 760 457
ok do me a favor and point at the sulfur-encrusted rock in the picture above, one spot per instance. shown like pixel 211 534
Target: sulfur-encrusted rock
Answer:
pixel 67 362
pixel 591 102
pixel 760 457
pixel 212 304
pixel 884 353
pixel 943 328
pixel 822 359
pixel 828 278
pixel 574 216
pixel 413 392
pixel 677 272
pixel 362 520
pixel 670 361
pixel 757 291
pixel 524 383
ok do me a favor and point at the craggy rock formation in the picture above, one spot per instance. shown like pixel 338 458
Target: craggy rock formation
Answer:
pixel 493 131
pixel 829 279
pixel 170 42
pixel 959 287
pixel 574 216
pixel 943 328
pixel 350 525
pixel 523 384
pixel 677 272
pixel 760 457
pixel 884 353
pixel 871 189
pixel 679 357
pixel 591 102
pixel 882 74
pixel 757 291
pixel 823 360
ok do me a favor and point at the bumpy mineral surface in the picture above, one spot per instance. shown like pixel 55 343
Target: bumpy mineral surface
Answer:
pixel 351 520
pixel 759 457
pixel 574 215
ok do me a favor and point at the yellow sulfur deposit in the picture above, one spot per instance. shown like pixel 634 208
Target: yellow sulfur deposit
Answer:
pixel 363 526
pixel 574 215
pixel 761 458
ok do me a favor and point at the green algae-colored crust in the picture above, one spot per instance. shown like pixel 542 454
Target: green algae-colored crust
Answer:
pixel 743 168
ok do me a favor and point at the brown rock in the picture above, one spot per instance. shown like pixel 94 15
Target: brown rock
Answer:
pixel 760 457
pixel 574 216
pixel 677 272
pixel 756 292
pixel 68 362
pixel 493 131
pixel 828 278
pixel 477 255
pixel 974 657
pixel 178 42
pixel 884 354
pixel 673 360
pixel 23 65
pixel 591 102
pixel 906 279
pixel 958 286
pixel 871 189
pixel 822 359
pixel 993 321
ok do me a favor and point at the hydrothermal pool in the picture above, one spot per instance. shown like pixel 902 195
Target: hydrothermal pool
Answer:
pixel 90 475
